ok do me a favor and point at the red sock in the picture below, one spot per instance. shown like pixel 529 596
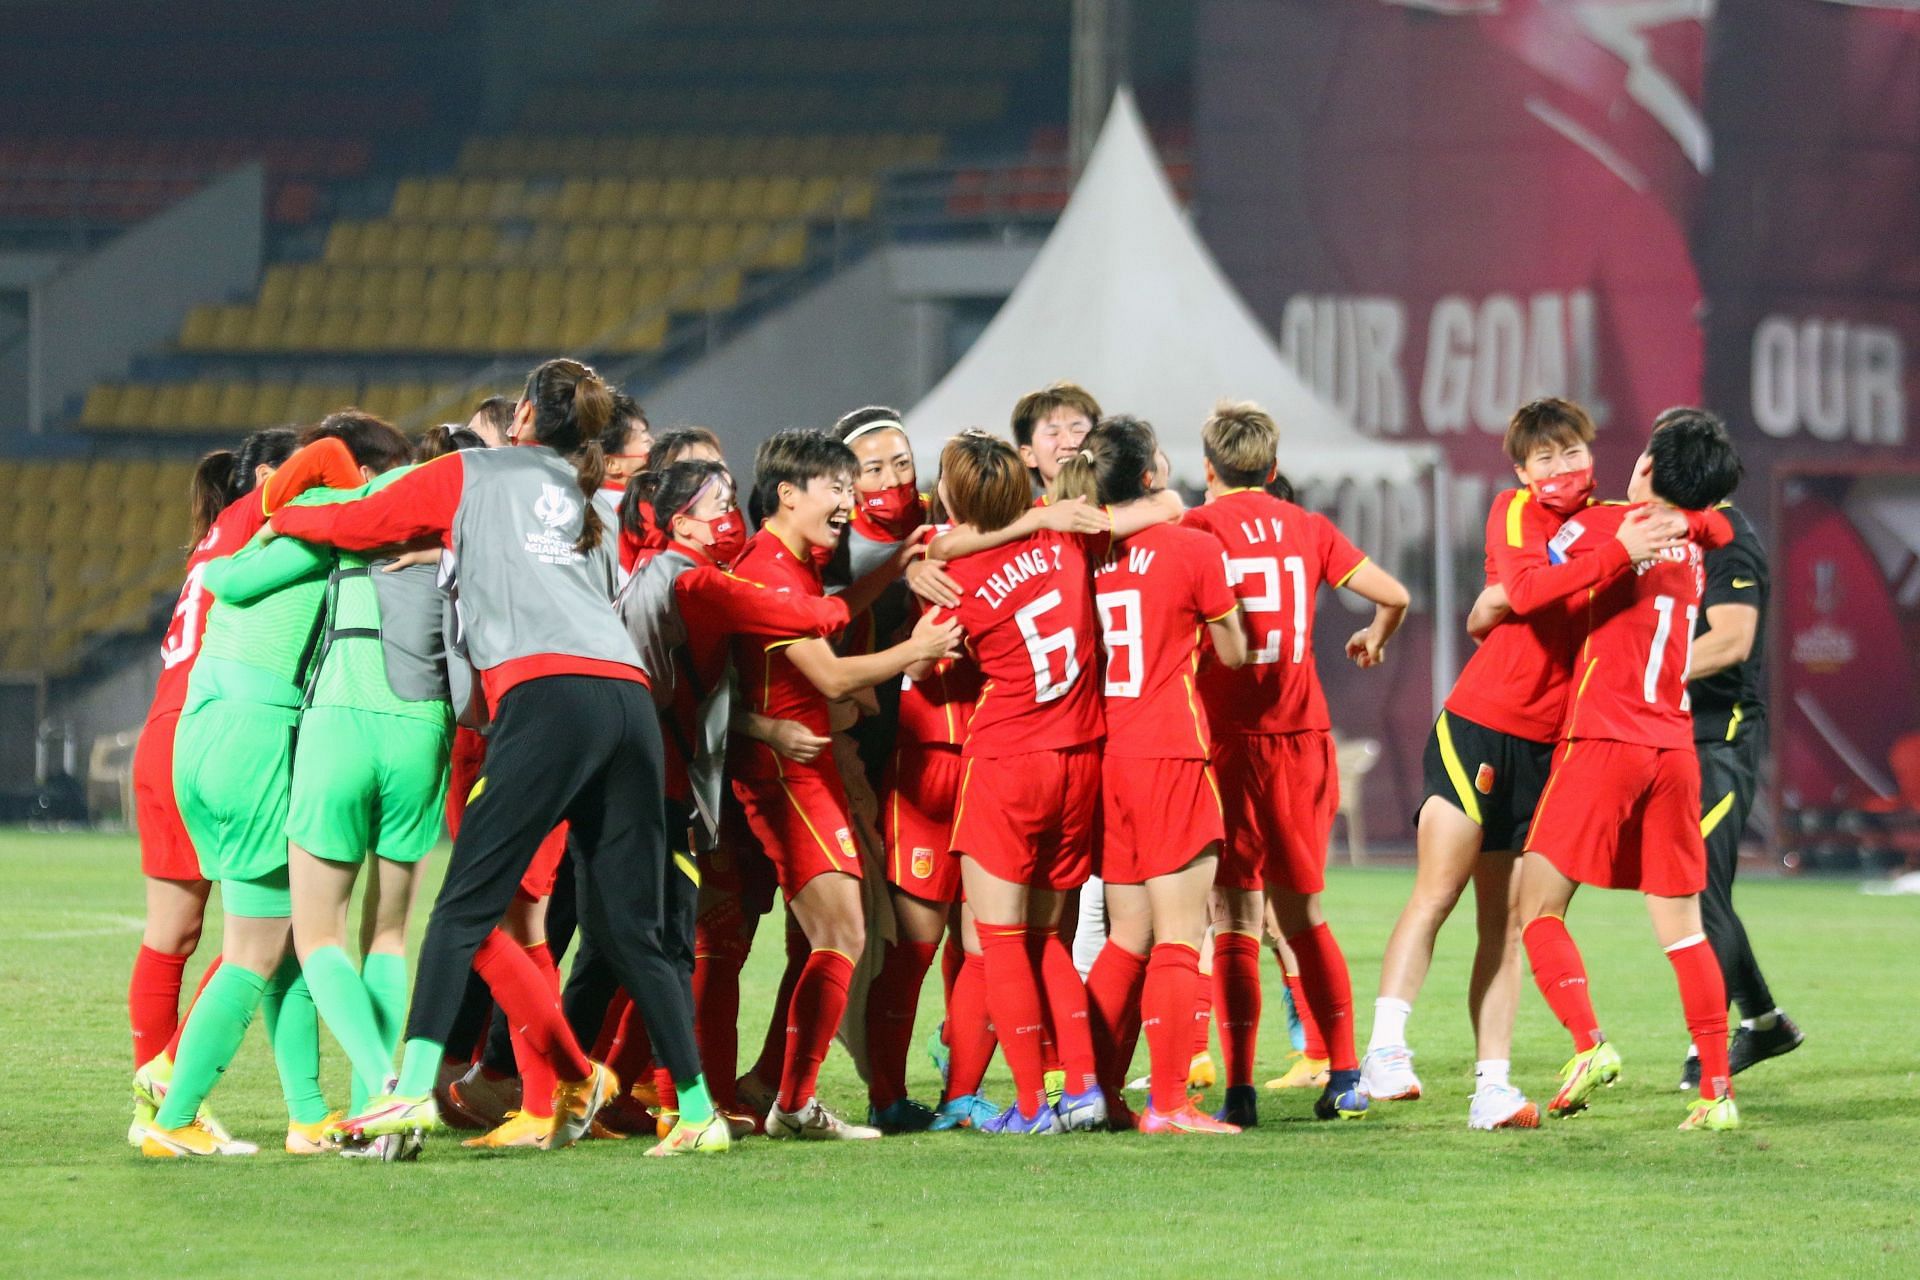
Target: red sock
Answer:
pixel 1315 1046
pixel 813 1015
pixel 1166 1015
pixel 1323 975
pixel 1703 997
pixel 664 1089
pixel 610 1026
pixel 717 957
pixel 631 1054
pixel 1013 998
pixel 1066 998
pixel 952 957
pixel 769 1066
pixel 1113 1003
pixel 1237 997
pixel 1203 1011
pixel 970 1038
pixel 528 993
pixel 892 1001
pixel 1562 979
pixel 153 1001
pixel 173 1045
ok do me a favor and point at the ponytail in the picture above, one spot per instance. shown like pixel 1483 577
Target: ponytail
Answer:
pixel 641 488
pixel 590 466
pixel 211 490
pixel 572 406
pixel 1076 479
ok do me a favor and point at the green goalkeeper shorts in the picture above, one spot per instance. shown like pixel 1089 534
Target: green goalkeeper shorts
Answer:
pixel 232 762
pixel 368 782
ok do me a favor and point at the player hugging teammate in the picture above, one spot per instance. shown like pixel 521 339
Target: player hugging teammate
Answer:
pixel 966 715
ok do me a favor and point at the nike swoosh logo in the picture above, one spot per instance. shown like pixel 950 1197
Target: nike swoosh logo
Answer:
pixel 1741 584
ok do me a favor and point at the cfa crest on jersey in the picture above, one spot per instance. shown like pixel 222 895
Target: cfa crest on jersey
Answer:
pixel 554 508
pixel 845 839
pixel 922 863
pixel 1569 534
pixel 1483 780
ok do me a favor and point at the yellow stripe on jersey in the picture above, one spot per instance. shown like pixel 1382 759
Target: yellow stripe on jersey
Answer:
pixel 1193 707
pixel 960 802
pixel 1515 533
pixel 1716 815
pixel 1349 573
pixel 1456 772
pixel 1733 722
pixel 833 859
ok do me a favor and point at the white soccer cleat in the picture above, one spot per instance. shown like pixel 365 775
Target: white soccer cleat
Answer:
pixel 1387 1074
pixel 1501 1106
pixel 815 1123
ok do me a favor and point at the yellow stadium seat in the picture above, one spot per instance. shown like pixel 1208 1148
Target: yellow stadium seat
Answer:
pixel 575 200
pixel 609 199
pixel 443 288
pixel 856 201
pixel 748 198
pixel 718 244
pixel 101 408
pixel 369 329
pixel 136 405
pixel 547 242
pixel 376 398
pixel 309 285
pixel 377 242
pixel 440 330
pixel 479 288
pixel 440 246
pixel 234 408
pixel 643 199
pixel 477 243
pixel 781 199
pixel 652 284
pixel 200 404
pixel 683 244
pixel 409 286
pixel 712 198
pixel 409 197
pixel 276 290
pixel 474 331
pixel 786 249
pixel 648 335
pixel 335 331
pixel 376 287
pixel 442 198
pixel 474 202
pixel 269 406
pixel 343 288
pixel 649 244
pixel 582 244
pixel 551 285
pixel 817 197
pixel 579 330
pixel 196 333
pixel 230 328
pixel 403 329
pixel 543 326
pixel 599 283
pixel 268 330
pixel 343 242
pixel 677 198
pixel 509 198
pixel 134 525
pixel 615 244
pixel 514 282
pixel 507 331
pixel 169 406
pixel 407 397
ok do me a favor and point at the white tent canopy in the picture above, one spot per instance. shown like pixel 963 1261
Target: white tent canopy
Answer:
pixel 1125 299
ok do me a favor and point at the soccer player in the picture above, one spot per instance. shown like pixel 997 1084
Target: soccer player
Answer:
pixel 626 444
pixel 1025 819
pixel 1273 748
pixel 1621 807
pixel 575 737
pixel 1488 753
pixel 1156 593
pixel 232 764
pixel 1730 735
pixel 637 528
pixel 492 419
pixel 798 811
pixel 1048 426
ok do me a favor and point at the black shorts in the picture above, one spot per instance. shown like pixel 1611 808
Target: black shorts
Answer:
pixel 1492 777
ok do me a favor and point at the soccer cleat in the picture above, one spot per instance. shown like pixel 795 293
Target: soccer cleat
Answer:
pixel 483 1099
pixel 1751 1045
pixel 1056 1085
pixel 455 1116
pixel 740 1124
pixel 150 1090
pixel 1082 1112
pixel 938 1051
pixel 1046 1120
pixel 1304 1073
pixel 1243 1107
pixel 322 1137
pixel 144 1113
pixel 1342 1099
pixel 1501 1106
pixel 815 1123
pixel 1188 1119
pixel 190 1140
pixel 902 1116
pixel 1718 1114
pixel 1201 1073
pixel 390 1148
pixel 518 1130
pixel 756 1098
pixel 1690 1074
pixel 664 1121
pixel 1388 1074
pixel 392 1114
pixel 969 1111
pixel 1584 1072
pixel 711 1138
pixel 624 1116
pixel 576 1102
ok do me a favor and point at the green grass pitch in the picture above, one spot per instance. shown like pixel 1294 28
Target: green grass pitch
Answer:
pixel 1824 1179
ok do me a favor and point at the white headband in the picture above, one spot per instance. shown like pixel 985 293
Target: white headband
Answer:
pixel 867 428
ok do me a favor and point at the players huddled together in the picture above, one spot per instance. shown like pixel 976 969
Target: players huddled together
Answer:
pixel 1038 709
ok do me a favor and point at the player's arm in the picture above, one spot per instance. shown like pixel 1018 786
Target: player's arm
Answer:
pixel 262 567
pixel 327 463
pixel 1229 638
pixel 1071 516
pixel 1533 581
pixel 420 504
pixel 739 606
pixel 1489 611
pixel 837 676
pixel 789 738
pixel 1732 604
pixel 1368 646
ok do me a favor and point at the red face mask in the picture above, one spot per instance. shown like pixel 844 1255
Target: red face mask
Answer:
pixel 729 534
pixel 1565 493
pixel 892 513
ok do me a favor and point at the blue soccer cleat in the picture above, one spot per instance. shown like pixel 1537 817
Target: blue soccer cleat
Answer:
pixel 1011 1121
pixel 901 1116
pixel 969 1111
pixel 1082 1112
pixel 1342 1099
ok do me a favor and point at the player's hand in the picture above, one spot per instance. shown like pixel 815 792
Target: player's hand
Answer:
pixel 935 637
pixel 1649 530
pixel 792 740
pixel 1366 649
pixel 930 580
pixel 1067 515
pixel 423 552
pixel 912 550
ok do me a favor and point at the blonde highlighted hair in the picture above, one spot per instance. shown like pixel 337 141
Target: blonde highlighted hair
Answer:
pixel 1242 441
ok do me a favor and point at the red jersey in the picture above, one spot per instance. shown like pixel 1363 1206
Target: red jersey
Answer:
pixel 1154 594
pixel 1278 554
pixel 324 462
pixel 1027 610
pixel 937 710
pixel 769 683
pixel 1516 681
pixel 1630 678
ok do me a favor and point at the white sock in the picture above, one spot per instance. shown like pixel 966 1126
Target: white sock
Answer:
pixel 1491 1071
pixel 1765 1022
pixel 1389 1023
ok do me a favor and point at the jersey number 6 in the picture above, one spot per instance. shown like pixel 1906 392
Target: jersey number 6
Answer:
pixel 1040 649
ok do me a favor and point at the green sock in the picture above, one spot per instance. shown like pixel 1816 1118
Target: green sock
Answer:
pixel 293 1028
pixel 419 1068
pixel 385 977
pixel 214 1031
pixel 348 1008
pixel 696 1108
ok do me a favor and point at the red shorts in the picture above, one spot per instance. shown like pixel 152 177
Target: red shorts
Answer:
pixel 917 820
pixel 1623 816
pixel 801 821
pixel 736 868
pixel 1031 818
pixel 166 851
pixel 1280 791
pixel 541 874
pixel 1157 816
pixel 463 770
